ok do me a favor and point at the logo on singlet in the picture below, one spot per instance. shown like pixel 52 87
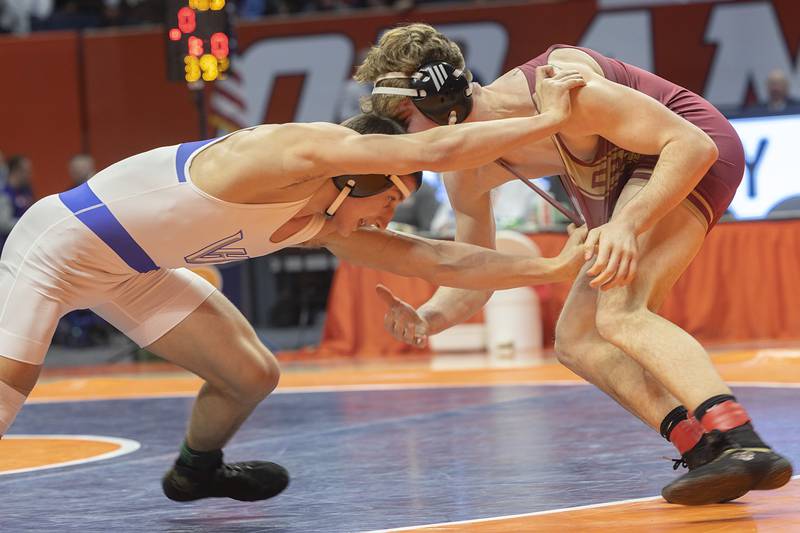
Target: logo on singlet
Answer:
pixel 219 252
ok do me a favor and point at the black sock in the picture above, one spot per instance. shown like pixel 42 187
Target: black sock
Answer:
pixel 701 409
pixel 675 417
pixel 199 460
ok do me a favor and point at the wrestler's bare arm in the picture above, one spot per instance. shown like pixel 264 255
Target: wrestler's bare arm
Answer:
pixel 292 153
pixel 330 150
pixel 474 224
pixel 449 263
pixel 336 150
pixel 640 124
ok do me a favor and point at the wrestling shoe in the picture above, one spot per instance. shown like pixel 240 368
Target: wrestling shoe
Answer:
pixel 769 469
pixel 725 466
pixel 249 481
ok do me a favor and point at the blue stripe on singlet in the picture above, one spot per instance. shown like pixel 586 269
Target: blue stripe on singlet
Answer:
pixel 185 150
pixel 90 210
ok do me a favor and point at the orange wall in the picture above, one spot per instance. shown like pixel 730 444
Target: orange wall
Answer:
pixel 40 105
pixel 131 107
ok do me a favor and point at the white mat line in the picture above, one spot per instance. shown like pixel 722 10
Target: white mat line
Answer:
pixel 126 446
pixel 525 515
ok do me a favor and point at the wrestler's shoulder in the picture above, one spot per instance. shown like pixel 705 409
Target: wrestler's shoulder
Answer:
pixel 575 58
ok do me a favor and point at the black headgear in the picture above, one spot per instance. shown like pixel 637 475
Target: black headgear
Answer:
pixel 437 89
pixel 364 185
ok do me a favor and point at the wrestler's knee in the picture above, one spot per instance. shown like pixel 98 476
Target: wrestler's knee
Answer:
pixel 616 319
pixel 258 374
pixel 16 382
pixel 570 344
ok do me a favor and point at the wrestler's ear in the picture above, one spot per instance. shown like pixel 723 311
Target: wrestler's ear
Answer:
pixel 406 106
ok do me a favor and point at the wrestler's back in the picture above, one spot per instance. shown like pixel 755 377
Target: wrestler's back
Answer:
pixel 595 182
pixel 677 99
pixel 146 206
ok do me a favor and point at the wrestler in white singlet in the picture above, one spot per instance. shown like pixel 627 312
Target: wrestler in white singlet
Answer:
pixel 118 244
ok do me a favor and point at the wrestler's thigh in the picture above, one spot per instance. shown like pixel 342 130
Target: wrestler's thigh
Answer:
pixel 216 342
pixel 665 251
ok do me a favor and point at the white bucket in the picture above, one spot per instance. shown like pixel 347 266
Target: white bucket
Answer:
pixel 514 325
pixel 513 316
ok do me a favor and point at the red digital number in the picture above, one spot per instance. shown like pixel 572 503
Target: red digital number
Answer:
pixel 219 45
pixel 187 22
pixel 195 45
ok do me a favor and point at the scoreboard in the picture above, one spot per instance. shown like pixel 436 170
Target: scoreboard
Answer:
pixel 198 39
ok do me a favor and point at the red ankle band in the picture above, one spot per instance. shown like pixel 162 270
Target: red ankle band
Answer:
pixel 725 416
pixel 686 434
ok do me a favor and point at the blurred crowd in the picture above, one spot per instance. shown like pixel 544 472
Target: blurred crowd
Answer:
pixel 16 189
pixel 23 16
pixel 78 328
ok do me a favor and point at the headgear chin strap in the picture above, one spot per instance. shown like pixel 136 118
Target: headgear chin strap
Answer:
pixel 437 89
pixel 364 185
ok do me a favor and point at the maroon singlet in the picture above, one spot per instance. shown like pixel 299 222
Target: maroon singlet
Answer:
pixel 595 186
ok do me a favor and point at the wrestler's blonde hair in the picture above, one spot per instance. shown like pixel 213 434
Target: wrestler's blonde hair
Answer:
pixel 403 49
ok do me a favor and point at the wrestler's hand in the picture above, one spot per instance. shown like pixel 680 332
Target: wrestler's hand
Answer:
pixel 552 90
pixel 617 254
pixel 402 320
pixel 571 257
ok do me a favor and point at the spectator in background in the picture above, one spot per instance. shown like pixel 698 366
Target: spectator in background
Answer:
pixel 81 168
pixel 779 99
pixel 76 15
pixel 16 196
pixel 21 16
pixel 3 169
pixel 130 12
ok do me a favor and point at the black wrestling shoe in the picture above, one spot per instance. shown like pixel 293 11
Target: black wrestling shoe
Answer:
pixel 722 469
pixel 722 480
pixel 717 473
pixel 769 469
pixel 247 482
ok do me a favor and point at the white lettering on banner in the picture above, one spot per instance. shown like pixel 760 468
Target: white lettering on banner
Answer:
pixel 626 36
pixel 748 38
pixel 750 44
pixel 485 46
pixel 325 60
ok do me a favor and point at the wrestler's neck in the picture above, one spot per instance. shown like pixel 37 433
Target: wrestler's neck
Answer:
pixel 500 100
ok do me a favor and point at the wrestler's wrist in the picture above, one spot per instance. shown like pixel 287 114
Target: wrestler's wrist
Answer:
pixel 433 318
pixel 629 219
pixel 556 269
pixel 548 122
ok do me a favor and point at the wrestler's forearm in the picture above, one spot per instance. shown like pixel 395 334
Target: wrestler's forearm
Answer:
pixel 449 306
pixel 472 267
pixel 471 145
pixel 468 275
pixel 444 263
pixel 681 165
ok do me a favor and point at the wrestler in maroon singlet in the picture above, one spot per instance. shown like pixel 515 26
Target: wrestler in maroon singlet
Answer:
pixel 595 186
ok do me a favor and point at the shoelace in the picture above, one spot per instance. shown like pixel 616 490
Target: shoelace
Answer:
pixel 716 442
